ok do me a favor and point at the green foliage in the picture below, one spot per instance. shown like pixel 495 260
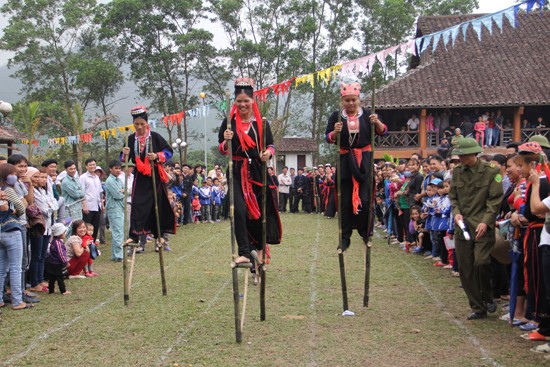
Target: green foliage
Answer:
pixel 27 119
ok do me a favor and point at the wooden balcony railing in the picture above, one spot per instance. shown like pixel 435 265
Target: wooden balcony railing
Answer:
pixel 409 139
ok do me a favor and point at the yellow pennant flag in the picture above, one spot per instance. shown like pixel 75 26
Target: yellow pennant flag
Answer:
pixel 335 70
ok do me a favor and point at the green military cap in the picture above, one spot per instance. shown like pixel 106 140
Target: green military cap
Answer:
pixel 542 140
pixel 466 146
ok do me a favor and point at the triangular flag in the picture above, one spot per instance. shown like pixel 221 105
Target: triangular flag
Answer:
pixel 464 27
pixel 498 18
pixel 437 37
pixel 454 34
pixel 335 70
pixel 511 14
pixel 476 25
pixel 530 4
pixel 488 23
pixel 446 36
pixel 426 43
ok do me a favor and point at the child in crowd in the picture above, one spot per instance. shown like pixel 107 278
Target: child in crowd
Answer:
pixel 205 198
pixel 217 196
pixel 175 204
pixel 196 205
pixel 87 240
pixel 428 211
pixel 56 263
pixel 441 222
pixel 416 228
pixel 380 210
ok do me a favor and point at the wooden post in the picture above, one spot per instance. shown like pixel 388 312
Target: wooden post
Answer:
pixel 518 112
pixel 422 133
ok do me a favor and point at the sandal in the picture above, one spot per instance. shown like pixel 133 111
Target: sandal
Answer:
pixel 536 336
pixel 22 306
pixel 543 348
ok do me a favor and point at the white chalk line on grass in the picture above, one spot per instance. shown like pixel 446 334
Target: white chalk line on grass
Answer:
pixel 475 341
pixel 184 331
pixel 313 295
pixel 55 329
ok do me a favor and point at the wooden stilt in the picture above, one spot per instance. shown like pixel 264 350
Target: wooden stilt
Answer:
pixel 159 234
pixel 341 258
pixel 235 270
pixel 126 279
pixel 245 297
pixel 368 242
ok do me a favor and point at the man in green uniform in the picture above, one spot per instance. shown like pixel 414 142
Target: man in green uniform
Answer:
pixel 476 194
pixel 115 209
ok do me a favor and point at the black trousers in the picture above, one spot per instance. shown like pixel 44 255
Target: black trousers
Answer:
pixel 291 199
pixel 93 218
pixel 283 198
pixel 55 274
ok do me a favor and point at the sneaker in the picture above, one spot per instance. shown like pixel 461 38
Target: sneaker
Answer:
pixel 456 274
pixel 448 266
pixel 167 248
pixel 428 257
pixel 436 258
pixel 140 250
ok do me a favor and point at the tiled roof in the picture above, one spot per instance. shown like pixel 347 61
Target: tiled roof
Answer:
pixel 7 134
pixel 505 69
pixel 297 145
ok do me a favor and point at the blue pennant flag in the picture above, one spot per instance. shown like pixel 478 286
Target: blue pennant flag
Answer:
pixel 426 43
pixel 476 25
pixel 446 35
pixel 437 37
pixel 488 23
pixel 511 14
pixel 530 5
pixel 465 29
pixel 454 33
pixel 498 18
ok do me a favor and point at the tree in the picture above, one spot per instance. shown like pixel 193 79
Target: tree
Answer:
pixel 162 42
pixel 98 75
pixel 43 35
pixel 27 120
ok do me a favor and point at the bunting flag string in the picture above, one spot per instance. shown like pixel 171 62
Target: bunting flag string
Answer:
pixel 354 67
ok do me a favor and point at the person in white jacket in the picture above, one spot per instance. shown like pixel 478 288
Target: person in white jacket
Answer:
pixel 285 181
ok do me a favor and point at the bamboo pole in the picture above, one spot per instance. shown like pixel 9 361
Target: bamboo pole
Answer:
pixel 368 244
pixel 125 254
pixel 158 244
pixel 341 258
pixel 261 268
pixel 235 269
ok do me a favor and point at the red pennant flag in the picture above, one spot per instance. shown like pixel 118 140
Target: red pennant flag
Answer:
pixel 165 118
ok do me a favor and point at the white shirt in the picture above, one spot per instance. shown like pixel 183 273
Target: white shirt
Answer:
pixel 284 183
pixel 545 236
pixel 92 191
pixel 122 178
pixel 413 123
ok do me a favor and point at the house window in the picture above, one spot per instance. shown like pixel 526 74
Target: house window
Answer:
pixel 301 160
pixel 281 161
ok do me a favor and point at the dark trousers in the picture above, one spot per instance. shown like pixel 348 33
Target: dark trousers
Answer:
pixel 474 259
pixel 93 218
pixel 361 220
pixel 55 274
pixel 305 202
pixel 544 317
pixel 283 198
pixel 291 199
pixel 187 214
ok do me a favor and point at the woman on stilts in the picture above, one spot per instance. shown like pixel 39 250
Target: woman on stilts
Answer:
pixel 246 136
pixel 146 146
pixel 356 160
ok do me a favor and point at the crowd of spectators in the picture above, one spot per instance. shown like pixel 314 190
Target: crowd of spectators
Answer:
pixel 53 222
pixel 415 211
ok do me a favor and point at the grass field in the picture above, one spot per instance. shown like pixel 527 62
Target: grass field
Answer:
pixel 416 317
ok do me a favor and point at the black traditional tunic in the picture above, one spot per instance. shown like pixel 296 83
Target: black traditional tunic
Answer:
pixel 248 231
pixel 142 218
pixel 356 163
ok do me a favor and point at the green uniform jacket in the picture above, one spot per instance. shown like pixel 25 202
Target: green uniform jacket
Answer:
pixel 476 193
